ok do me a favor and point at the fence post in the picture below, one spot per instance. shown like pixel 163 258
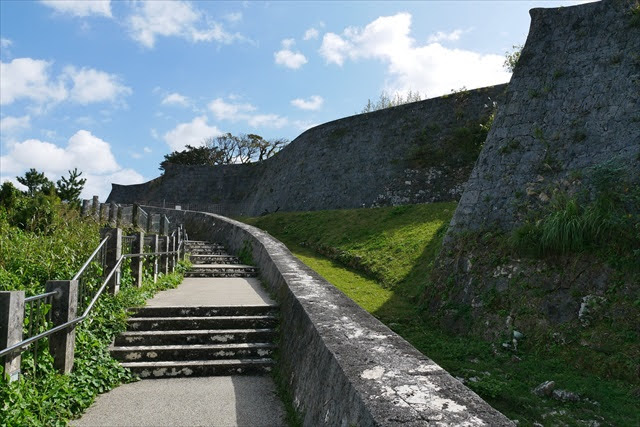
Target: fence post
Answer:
pixel 11 324
pixel 155 243
pixel 63 310
pixel 164 225
pixel 137 263
pixel 86 207
pixel 165 258
pixel 95 207
pixel 114 251
pixel 104 213
pixel 174 256
pixel 113 214
pixel 135 216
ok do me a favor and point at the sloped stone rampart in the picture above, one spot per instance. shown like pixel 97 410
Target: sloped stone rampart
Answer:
pixel 343 366
pixel 573 103
pixel 399 155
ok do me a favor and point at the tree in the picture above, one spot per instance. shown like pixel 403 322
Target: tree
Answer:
pixel 226 149
pixel 512 58
pixel 69 189
pixel 192 156
pixel 35 182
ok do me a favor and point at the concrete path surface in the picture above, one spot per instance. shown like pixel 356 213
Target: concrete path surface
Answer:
pixel 206 401
pixel 201 401
pixel 213 291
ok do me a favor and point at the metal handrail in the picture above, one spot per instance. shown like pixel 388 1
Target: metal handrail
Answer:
pixel 40 296
pixel 90 259
pixel 25 343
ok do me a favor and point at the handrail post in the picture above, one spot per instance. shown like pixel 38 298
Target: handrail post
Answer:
pixel 114 251
pixel 103 213
pixel 113 214
pixel 165 258
pixel 86 207
pixel 156 248
pixel 95 207
pixel 63 310
pixel 137 263
pixel 135 216
pixel 174 256
pixel 11 324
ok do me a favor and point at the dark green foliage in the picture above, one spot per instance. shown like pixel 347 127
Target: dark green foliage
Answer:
pixel 69 189
pixel 191 156
pixel 35 182
pixel 226 149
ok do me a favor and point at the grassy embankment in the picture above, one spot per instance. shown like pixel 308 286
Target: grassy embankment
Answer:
pixel 382 259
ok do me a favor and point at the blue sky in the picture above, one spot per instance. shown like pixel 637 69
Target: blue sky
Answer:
pixel 110 87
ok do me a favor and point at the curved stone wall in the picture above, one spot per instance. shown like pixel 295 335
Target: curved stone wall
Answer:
pixel 342 365
pixel 413 153
pixel 573 103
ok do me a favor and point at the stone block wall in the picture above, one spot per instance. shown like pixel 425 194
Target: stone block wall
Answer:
pixel 413 153
pixel 573 103
pixel 342 365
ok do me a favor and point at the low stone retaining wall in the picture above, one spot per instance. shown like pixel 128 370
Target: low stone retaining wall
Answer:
pixel 343 366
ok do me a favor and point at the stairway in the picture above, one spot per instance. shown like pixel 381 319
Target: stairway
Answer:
pixel 189 341
pixel 211 260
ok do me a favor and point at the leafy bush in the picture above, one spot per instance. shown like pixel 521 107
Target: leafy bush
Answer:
pixel 50 398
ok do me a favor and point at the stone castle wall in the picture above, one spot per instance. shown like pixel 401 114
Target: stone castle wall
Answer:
pixel 573 103
pixel 413 153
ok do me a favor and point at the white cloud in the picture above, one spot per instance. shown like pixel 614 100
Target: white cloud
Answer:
pixel 223 110
pixel 442 36
pixel 233 18
pixel 100 185
pixel 228 111
pixel 80 8
pixel 10 124
pixel 90 154
pixel 310 34
pixel 147 150
pixel 175 99
pixel 91 85
pixel 5 43
pixel 177 18
pixel 313 103
pixel 429 68
pixel 29 78
pixel 192 133
pixel 288 58
pixel 267 120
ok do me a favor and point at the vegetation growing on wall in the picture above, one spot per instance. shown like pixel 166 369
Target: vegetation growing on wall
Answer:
pixel 387 101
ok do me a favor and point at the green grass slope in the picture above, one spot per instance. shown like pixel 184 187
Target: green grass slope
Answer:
pixel 382 259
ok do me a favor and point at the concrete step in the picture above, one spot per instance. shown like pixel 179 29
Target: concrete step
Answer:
pixel 203 245
pixel 200 368
pixel 197 322
pixel 214 259
pixel 182 311
pixel 195 337
pixel 192 352
pixel 204 251
pixel 213 274
pixel 222 270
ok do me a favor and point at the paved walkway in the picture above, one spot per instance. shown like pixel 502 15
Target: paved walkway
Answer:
pixel 205 401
